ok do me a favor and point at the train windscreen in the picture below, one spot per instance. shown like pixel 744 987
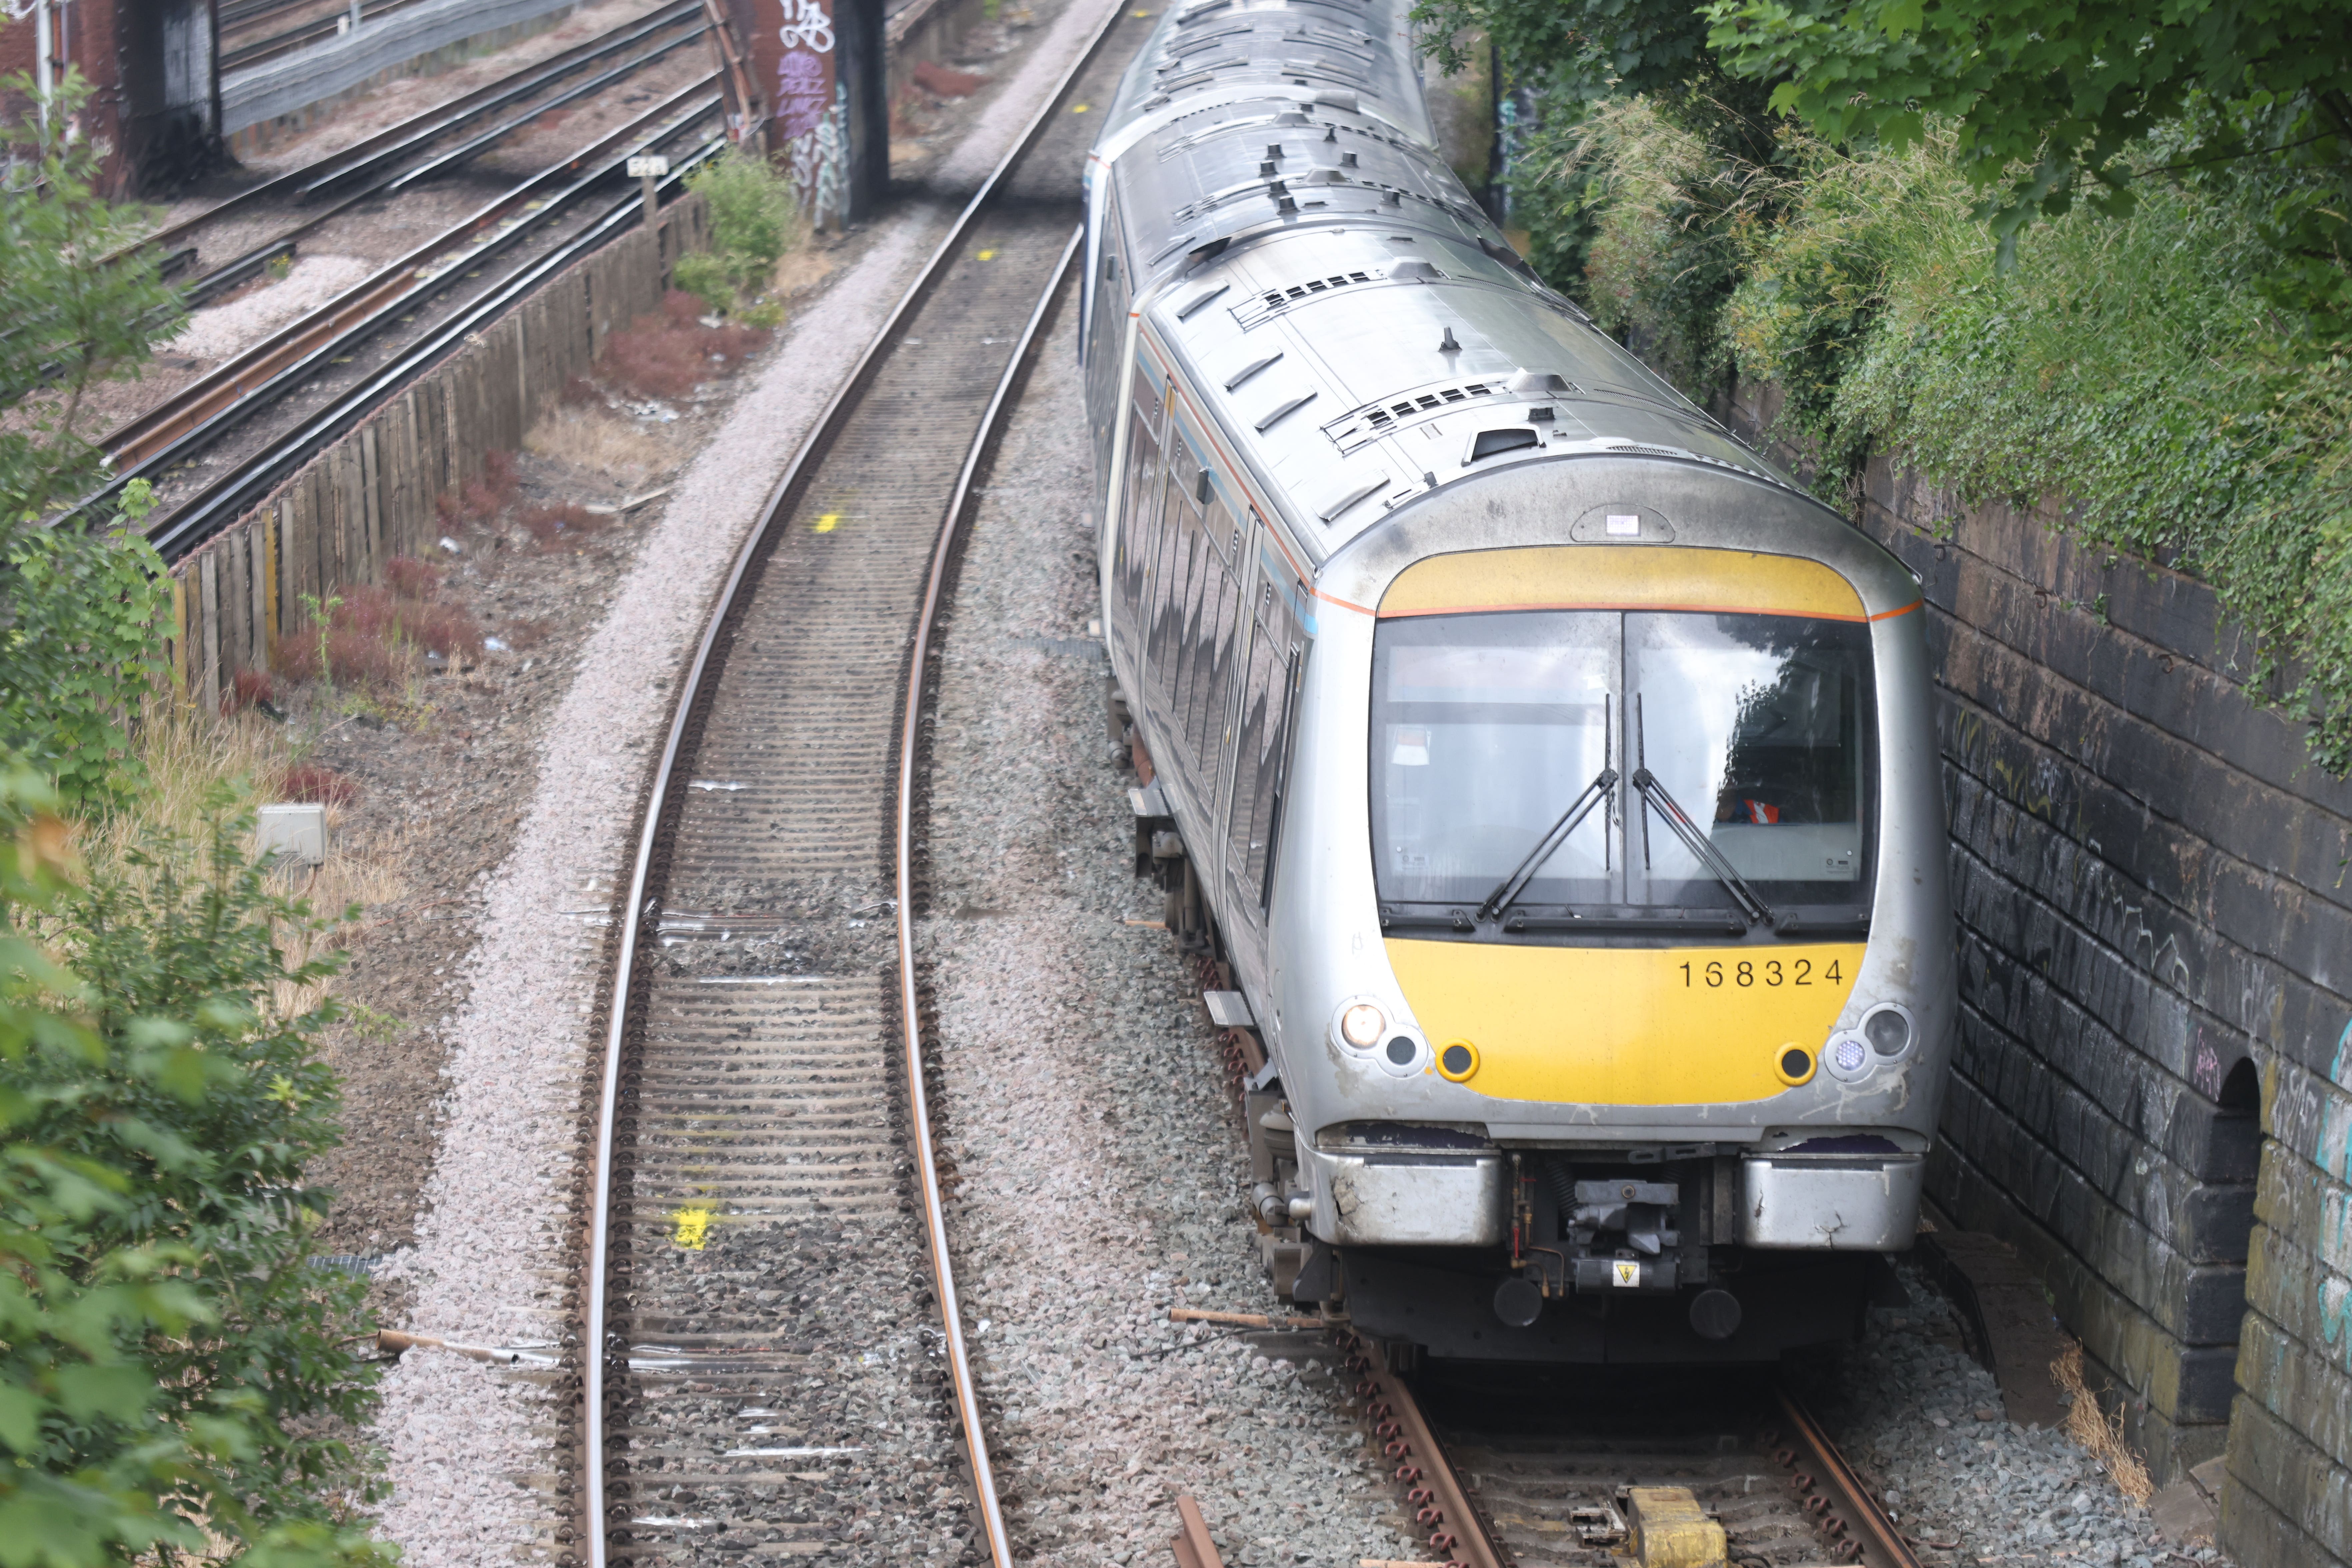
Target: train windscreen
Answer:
pixel 1630 764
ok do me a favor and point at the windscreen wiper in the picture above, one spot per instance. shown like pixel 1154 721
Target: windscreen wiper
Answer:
pixel 1508 890
pixel 1654 794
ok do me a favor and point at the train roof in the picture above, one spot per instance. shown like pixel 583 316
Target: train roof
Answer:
pixel 1358 326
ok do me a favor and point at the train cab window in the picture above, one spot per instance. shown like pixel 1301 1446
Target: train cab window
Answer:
pixel 1760 728
pixel 1676 764
pixel 1487 726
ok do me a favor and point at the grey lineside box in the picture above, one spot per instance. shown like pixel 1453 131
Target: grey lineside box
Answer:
pixel 294 834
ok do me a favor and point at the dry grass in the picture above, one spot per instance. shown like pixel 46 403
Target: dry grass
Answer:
pixel 192 759
pixel 799 271
pixel 2102 1435
pixel 601 442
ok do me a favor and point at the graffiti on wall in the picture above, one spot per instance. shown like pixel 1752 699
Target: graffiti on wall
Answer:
pixel 793 49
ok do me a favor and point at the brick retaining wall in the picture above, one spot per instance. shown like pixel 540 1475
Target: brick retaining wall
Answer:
pixel 2152 1092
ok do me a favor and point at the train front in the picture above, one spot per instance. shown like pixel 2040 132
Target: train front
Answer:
pixel 1633 1047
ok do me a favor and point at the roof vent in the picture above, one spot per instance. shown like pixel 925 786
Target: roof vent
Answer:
pixel 1494 442
pixel 1274 300
pixel 1374 420
pixel 1415 271
pixel 1532 383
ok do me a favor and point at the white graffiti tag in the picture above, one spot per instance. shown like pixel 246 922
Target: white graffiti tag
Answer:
pixel 812 30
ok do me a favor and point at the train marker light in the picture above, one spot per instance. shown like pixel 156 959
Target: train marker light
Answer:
pixel 1458 1060
pixel 1794 1065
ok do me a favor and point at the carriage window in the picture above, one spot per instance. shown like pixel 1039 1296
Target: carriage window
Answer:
pixel 1211 621
pixel 1138 510
pixel 1175 573
pixel 1262 745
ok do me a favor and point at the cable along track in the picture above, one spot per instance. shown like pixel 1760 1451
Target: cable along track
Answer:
pixel 777 1339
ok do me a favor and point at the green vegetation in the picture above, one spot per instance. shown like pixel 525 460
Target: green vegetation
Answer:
pixel 1872 207
pixel 753 223
pixel 177 1379
pixel 79 604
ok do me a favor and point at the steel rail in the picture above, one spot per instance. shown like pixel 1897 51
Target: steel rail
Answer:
pixel 198 520
pixel 919 1116
pixel 637 906
pixel 1849 1510
pixel 1458 1527
pixel 394 141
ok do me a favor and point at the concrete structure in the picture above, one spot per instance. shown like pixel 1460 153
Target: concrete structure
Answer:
pixel 287 91
pixel 2152 1097
pixel 151 64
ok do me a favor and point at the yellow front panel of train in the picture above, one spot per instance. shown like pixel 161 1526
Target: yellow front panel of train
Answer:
pixel 1591 1025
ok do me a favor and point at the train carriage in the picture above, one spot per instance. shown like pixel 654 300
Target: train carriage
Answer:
pixel 1555 775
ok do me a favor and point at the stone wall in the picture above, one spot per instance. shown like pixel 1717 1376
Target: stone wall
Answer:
pixel 2152 1092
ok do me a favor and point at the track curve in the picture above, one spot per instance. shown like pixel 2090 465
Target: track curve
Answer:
pixel 748 1105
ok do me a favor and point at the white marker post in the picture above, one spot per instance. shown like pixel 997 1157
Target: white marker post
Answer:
pixel 649 171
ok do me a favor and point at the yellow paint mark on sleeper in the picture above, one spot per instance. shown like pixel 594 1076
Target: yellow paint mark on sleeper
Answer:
pixel 826 523
pixel 690 1226
pixel 1080 107
pixel 987 256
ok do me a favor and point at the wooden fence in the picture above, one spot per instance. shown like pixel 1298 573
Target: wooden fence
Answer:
pixel 370 496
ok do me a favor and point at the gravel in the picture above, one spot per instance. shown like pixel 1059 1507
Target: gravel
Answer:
pixel 1097 1164
pixel 220 331
pixel 1924 1422
pixel 472 1454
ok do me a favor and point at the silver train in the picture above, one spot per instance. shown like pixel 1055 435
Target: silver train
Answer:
pixel 1554 776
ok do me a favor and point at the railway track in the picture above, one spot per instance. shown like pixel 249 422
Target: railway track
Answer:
pixel 368 166
pixel 1562 1467
pixel 443 297
pixel 763 1129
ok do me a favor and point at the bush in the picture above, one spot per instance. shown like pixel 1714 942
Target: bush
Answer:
pixel 704 276
pixel 374 638
pixel 82 616
pixel 2134 367
pixel 479 500
pixel 175 1364
pixel 754 218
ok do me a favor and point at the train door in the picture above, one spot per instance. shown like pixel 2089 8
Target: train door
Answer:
pixel 1138 510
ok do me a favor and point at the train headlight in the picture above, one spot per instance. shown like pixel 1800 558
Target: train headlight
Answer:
pixel 1361 1025
pixel 1888 1027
